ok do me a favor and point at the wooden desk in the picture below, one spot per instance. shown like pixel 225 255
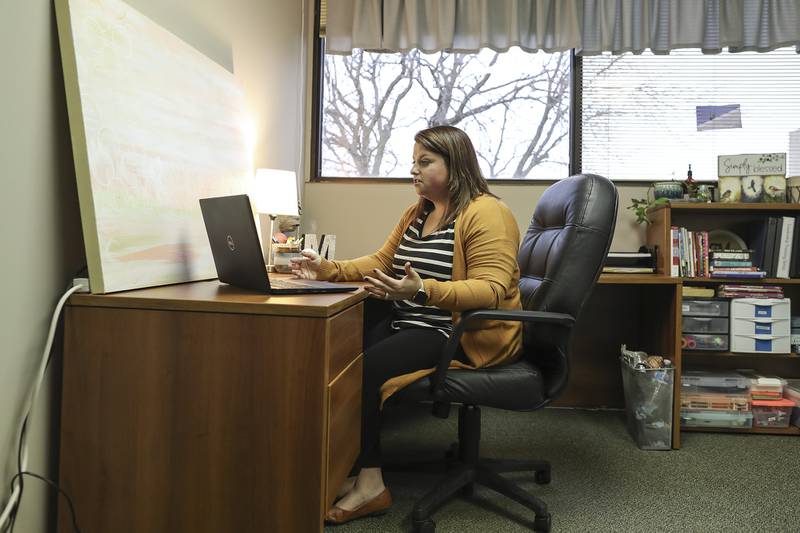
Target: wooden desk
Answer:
pixel 200 407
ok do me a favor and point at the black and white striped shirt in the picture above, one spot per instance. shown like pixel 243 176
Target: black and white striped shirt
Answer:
pixel 432 257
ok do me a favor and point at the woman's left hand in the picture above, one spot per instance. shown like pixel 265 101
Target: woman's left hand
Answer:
pixel 387 288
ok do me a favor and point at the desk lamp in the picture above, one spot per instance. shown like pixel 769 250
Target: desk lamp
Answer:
pixel 275 193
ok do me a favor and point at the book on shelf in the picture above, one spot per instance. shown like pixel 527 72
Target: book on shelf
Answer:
pixel 628 270
pixel 641 262
pixel 749 291
pixel 702 292
pixel 723 263
pixel 756 274
pixel 785 247
pixel 794 266
pixel 731 255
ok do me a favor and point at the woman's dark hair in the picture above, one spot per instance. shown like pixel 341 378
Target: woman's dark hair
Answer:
pixel 465 181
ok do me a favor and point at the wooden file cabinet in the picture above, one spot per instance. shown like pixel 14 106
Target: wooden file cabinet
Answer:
pixel 200 407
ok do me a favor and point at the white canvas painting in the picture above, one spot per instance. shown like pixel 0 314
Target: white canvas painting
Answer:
pixel 155 126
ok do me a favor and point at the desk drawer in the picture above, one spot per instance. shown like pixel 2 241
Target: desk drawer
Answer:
pixel 344 339
pixel 343 427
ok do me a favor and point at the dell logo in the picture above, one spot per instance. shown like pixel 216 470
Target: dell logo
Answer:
pixel 231 244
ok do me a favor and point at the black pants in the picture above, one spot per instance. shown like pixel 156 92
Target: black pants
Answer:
pixel 389 353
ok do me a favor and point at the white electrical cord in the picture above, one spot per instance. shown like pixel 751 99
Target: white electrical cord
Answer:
pixel 13 500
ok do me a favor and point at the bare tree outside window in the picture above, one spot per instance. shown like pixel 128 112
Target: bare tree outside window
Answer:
pixel 514 106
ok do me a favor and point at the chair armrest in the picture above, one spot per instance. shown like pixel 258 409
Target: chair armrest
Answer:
pixel 449 350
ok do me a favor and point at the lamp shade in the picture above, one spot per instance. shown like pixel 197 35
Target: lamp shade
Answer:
pixel 275 192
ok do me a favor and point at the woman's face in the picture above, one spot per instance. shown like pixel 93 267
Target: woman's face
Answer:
pixel 430 174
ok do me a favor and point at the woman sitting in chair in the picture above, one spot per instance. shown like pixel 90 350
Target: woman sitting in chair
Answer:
pixel 452 251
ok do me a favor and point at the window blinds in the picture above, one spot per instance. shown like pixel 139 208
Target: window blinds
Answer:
pixel 647 117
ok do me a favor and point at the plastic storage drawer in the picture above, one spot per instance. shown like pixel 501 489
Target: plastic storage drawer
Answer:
pixel 704 308
pixel 761 308
pixel 716 419
pixel 772 413
pixel 698 341
pixel 760 326
pixel 760 343
pixel 697 324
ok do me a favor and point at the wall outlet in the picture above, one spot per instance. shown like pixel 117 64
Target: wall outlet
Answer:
pixel 83 283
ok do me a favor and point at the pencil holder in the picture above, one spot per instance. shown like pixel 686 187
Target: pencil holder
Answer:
pixel 282 254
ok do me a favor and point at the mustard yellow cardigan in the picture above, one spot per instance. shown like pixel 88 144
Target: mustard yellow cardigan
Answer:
pixel 485 276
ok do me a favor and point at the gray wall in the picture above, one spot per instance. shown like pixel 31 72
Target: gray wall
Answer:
pixel 40 234
pixel 361 215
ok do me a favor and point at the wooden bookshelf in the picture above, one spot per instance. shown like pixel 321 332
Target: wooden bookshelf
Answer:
pixel 791 430
pixel 745 281
pixel 732 217
pixel 732 207
pixel 637 279
pixel 710 353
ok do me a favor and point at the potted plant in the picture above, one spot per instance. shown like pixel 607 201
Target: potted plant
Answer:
pixel 641 206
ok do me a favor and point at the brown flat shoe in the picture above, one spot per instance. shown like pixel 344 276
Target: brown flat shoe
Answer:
pixel 374 507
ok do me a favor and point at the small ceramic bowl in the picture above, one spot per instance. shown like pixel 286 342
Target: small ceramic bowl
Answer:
pixel 672 190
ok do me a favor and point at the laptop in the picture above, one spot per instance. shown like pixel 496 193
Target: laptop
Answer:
pixel 237 252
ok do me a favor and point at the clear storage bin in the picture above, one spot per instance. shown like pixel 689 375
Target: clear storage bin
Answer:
pixel 717 419
pixel 772 413
pixel 697 381
pixel 764 387
pixel 704 307
pixel 715 402
pixel 696 324
pixel 698 341
pixel 792 392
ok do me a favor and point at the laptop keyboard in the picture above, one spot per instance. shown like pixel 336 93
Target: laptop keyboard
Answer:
pixel 284 284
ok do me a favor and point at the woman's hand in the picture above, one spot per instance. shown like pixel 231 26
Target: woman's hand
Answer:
pixel 307 266
pixel 388 288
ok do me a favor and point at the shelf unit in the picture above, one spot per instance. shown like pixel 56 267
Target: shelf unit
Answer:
pixel 743 219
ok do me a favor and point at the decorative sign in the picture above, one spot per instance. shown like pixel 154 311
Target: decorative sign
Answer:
pixel 752 165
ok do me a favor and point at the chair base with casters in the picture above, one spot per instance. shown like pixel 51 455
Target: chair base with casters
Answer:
pixel 466 467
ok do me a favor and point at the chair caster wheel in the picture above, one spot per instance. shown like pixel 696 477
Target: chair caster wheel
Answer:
pixel 424 526
pixel 542 523
pixel 542 477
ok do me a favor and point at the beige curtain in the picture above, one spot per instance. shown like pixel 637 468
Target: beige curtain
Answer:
pixel 589 26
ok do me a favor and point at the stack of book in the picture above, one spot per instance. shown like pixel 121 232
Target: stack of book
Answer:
pixel 750 291
pixel 733 264
pixel 641 262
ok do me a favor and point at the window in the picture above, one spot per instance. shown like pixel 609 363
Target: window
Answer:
pixel 648 117
pixel 637 117
pixel 514 105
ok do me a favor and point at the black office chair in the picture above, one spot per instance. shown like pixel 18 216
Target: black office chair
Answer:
pixel 560 260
